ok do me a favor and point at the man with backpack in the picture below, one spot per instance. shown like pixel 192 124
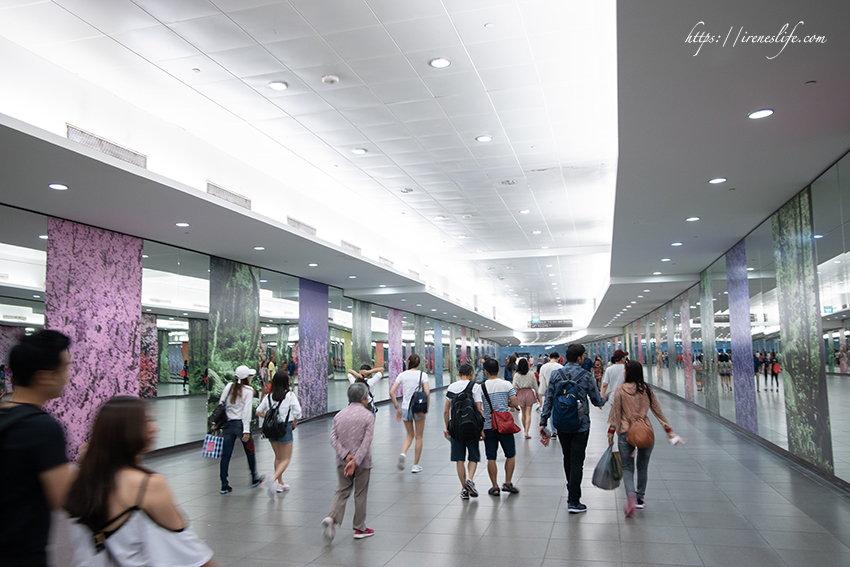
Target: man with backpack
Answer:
pixel 567 403
pixel 464 427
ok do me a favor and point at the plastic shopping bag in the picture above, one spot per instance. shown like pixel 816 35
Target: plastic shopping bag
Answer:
pixel 212 446
pixel 603 474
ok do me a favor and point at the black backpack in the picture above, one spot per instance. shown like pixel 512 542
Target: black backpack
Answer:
pixel 272 428
pixel 419 400
pixel 466 422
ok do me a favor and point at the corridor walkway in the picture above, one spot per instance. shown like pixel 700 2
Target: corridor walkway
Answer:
pixel 720 500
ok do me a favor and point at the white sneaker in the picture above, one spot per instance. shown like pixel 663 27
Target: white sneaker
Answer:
pixel 328 529
pixel 283 487
pixel 270 489
pixel 401 459
pixel 416 469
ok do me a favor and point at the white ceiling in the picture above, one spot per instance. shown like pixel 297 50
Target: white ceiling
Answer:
pixel 537 76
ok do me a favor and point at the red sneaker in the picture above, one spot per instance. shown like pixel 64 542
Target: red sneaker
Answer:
pixel 365 533
pixel 629 508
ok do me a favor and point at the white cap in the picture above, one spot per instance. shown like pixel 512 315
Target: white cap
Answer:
pixel 243 372
pixel 251 372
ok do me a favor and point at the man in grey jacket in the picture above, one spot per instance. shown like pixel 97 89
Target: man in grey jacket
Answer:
pixel 573 443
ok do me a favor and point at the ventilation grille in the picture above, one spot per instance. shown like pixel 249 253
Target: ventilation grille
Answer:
pixel 350 247
pixel 13 317
pixel 432 289
pixel 229 196
pixel 575 301
pixel 295 223
pixel 386 262
pixel 414 274
pixel 106 147
pixel 446 295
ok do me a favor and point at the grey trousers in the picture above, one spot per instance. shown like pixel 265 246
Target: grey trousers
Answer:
pixel 642 459
pixel 360 483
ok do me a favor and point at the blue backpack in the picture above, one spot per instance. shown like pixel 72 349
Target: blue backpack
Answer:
pixel 568 409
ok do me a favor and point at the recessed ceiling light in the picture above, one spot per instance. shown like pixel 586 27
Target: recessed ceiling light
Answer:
pixel 37 296
pixel 633 302
pixel 147 309
pixel 278 86
pixel 656 273
pixel 404 300
pixel 665 259
pixel 818 236
pixel 259 248
pixel 433 310
pixel 524 211
pixel 359 151
pixel 440 62
pixel 182 224
pixel 692 219
pixel 439 217
pixel 467 216
pixel 763 113
pixel 640 297
pixel 837 262
pixel 58 187
pixel 462 236
pixel 145 256
pixel 480 251
pixel 676 244
pixel 717 180
pixel 750 269
pixel 42 236
pixel 352 277
pixel 312 265
pixel 349 307
pixel 536 231
pixel 544 247
pixel 508 182
pixel 407 190
pixel 330 79
pixel 383 285
pixel 484 138
pixel 646 291
pixel 264 281
pixel 418 305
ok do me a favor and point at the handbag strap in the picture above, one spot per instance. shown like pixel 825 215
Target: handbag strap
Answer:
pixel 489 403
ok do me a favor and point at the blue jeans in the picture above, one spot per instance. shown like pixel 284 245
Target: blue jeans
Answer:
pixel 643 455
pixel 231 432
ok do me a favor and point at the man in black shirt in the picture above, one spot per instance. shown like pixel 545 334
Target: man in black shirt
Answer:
pixel 34 472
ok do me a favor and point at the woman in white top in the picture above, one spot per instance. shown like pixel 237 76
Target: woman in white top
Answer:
pixel 525 385
pixel 123 513
pixel 288 409
pixel 369 376
pixel 414 423
pixel 238 400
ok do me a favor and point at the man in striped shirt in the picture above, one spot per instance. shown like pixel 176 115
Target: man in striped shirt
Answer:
pixel 503 397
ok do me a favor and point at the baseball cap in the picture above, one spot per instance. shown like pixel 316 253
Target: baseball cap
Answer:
pixel 243 372
pixel 617 354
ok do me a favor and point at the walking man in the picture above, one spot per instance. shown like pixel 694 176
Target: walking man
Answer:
pixel 569 389
pixel 499 395
pixel 464 420
pixel 351 438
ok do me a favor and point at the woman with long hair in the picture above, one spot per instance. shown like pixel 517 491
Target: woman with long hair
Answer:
pixel 598 370
pixel 121 508
pixel 282 400
pixel 414 423
pixel 525 385
pixel 510 367
pixel 633 399
pixel 238 400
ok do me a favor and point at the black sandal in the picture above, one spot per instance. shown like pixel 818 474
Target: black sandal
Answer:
pixel 510 488
pixel 494 492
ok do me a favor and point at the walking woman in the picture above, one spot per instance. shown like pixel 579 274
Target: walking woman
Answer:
pixel 124 513
pixel 409 381
pixel 526 386
pixel 775 369
pixel 510 367
pixel 598 370
pixel 238 400
pixel 632 402
pixel 285 403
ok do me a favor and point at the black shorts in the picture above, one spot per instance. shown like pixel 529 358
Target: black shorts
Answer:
pixel 493 439
pixel 461 448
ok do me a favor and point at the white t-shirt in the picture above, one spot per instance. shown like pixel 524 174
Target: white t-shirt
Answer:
pixel 614 376
pixel 371 381
pixel 289 405
pixel 545 372
pixel 243 406
pixel 409 380
pixel 460 386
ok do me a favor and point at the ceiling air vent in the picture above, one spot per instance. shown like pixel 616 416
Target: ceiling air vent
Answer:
pixel 105 146
pixel 386 262
pixel 350 247
pixel 229 196
pixel 295 223
pixel 414 274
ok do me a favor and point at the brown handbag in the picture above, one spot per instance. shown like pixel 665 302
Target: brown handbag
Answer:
pixel 640 433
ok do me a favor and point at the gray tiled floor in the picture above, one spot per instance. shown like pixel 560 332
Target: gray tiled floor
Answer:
pixel 720 500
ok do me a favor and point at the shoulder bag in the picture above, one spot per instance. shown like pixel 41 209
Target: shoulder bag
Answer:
pixel 418 401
